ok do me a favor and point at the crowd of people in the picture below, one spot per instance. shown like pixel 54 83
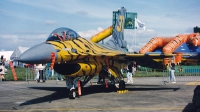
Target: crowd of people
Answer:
pixel 132 67
pixel 44 71
pixel 3 71
pixel 130 71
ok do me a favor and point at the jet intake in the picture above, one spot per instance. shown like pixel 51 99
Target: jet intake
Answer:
pixel 78 69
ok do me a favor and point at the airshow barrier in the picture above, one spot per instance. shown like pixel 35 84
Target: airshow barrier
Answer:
pixel 188 73
pixel 31 74
pixel 182 74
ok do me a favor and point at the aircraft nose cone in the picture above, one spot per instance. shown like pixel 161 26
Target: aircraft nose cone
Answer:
pixel 38 54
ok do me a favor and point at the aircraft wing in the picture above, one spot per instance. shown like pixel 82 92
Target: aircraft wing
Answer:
pixel 146 60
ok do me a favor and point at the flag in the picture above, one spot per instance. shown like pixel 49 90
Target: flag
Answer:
pixel 138 23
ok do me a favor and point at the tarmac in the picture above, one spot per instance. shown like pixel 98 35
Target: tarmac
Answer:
pixel 147 94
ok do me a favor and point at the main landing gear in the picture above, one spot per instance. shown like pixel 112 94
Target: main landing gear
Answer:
pixel 76 87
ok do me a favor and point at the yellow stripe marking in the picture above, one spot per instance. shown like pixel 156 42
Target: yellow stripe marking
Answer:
pixel 193 83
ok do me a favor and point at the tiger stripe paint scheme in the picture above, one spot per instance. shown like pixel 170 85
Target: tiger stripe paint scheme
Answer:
pixel 90 57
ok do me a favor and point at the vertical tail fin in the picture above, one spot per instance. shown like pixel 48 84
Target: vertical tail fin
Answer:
pixel 118 30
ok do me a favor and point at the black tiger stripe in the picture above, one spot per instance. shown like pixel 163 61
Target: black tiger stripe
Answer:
pixel 55 45
pixel 90 67
pixel 95 58
pixel 77 44
pixel 61 58
pixel 96 65
pixel 91 46
pixel 63 43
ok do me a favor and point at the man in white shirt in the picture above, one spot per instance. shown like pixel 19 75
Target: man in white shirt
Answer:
pixel 41 68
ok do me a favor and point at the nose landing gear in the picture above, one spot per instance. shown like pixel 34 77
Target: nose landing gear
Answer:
pixel 72 94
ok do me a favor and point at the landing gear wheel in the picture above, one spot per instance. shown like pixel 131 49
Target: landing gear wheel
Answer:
pixel 72 94
pixel 122 85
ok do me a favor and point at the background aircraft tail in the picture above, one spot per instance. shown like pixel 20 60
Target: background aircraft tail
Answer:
pixel 117 39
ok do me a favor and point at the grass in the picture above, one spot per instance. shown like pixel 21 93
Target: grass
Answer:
pixel 23 74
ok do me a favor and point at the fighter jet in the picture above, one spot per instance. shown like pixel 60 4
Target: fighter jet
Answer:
pixel 79 59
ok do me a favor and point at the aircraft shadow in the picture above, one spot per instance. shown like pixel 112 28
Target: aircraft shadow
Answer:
pixel 63 92
pixel 189 108
pixel 152 89
pixel 195 105
pixel 60 93
pixel 142 87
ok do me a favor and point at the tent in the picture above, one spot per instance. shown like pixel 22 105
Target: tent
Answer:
pixel 16 53
pixel 6 55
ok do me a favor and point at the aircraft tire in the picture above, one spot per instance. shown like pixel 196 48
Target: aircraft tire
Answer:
pixel 121 85
pixel 72 94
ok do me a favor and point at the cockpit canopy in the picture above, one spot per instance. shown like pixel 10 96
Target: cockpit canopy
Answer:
pixel 62 33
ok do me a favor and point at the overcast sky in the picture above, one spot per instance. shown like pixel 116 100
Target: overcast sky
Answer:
pixel 29 22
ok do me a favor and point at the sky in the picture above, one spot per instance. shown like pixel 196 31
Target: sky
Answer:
pixel 27 23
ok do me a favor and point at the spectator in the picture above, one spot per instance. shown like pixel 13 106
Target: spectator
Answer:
pixel 172 66
pixel 124 69
pixel 40 68
pixel 169 69
pixel 35 66
pixel 58 77
pixel 134 69
pixel 180 69
pixel 49 71
pixel 2 72
pixel 130 73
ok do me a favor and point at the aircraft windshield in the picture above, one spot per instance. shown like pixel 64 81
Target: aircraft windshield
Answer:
pixel 61 34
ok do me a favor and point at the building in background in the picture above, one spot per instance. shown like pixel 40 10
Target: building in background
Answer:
pixel 16 53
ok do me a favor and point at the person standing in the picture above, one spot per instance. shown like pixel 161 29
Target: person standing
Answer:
pixel 134 69
pixel 35 66
pixel 50 71
pixel 41 68
pixel 130 73
pixel 124 70
pixel 169 69
pixel 172 66
pixel 2 72
pixel 180 69
pixel 58 77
